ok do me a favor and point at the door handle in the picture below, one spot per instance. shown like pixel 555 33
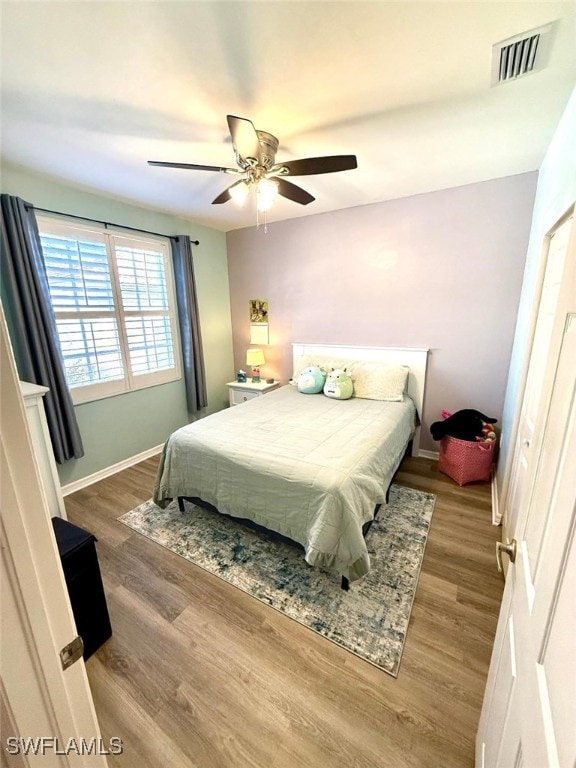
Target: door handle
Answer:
pixel 509 549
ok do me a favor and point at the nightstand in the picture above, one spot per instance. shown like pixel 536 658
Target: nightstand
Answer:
pixel 241 392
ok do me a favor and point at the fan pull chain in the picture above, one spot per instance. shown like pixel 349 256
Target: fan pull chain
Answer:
pixel 258 220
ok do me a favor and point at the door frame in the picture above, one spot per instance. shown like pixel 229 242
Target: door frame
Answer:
pixel 39 699
pixel 502 499
pixel 509 633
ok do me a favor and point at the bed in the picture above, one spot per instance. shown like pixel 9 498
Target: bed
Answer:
pixel 307 467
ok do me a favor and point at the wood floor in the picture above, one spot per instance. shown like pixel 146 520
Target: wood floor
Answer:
pixel 199 674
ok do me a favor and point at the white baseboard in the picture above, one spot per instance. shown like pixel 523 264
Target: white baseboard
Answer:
pixel 428 454
pixel 102 474
pixel 496 514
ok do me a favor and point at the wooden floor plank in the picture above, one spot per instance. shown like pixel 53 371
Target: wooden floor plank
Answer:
pixel 197 673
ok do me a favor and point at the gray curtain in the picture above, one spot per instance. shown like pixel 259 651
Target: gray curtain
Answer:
pixel 189 320
pixel 32 325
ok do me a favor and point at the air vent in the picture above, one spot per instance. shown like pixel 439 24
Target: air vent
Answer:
pixel 519 56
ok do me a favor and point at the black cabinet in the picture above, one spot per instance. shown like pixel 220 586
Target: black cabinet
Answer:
pixel 77 550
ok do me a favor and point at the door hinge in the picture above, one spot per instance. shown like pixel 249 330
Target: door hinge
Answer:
pixel 72 652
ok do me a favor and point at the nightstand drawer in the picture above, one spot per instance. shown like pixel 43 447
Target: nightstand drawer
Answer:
pixel 241 392
pixel 238 396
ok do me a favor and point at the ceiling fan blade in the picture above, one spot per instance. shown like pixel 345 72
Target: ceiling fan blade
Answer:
pixel 244 138
pixel 293 192
pixel 191 167
pixel 313 165
pixel 223 197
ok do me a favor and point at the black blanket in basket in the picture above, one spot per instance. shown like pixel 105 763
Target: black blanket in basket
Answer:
pixel 467 424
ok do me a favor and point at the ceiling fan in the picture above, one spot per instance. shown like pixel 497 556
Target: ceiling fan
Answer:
pixel 256 155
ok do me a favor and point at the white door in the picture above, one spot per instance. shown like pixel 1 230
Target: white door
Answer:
pixel 529 711
pixel 526 442
pixel 48 716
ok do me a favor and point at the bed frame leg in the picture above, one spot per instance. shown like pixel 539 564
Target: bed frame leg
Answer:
pixel 345 584
pixel 181 503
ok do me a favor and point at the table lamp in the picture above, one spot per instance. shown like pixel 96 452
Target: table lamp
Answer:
pixel 255 358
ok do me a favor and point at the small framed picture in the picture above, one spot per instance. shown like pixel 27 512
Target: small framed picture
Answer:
pixel 258 311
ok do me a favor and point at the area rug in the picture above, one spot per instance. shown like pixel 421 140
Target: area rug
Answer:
pixel 370 620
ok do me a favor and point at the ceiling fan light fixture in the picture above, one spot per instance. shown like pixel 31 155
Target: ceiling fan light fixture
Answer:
pixel 256 160
pixel 239 193
pixel 266 193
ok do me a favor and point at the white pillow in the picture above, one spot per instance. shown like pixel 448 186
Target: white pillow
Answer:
pixel 379 381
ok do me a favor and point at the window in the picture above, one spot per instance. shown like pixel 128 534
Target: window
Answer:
pixel 113 297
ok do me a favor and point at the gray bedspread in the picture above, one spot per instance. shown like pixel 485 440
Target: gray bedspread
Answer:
pixel 306 466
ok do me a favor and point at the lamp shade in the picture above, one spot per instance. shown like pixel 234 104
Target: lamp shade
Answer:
pixel 255 357
pixel 239 192
pixel 266 193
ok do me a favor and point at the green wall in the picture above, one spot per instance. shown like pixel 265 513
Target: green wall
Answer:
pixel 117 428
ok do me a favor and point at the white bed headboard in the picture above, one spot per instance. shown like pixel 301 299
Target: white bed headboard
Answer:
pixel 415 359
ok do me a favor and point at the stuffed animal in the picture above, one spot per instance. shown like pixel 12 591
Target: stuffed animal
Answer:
pixel 467 424
pixel 338 385
pixel 311 381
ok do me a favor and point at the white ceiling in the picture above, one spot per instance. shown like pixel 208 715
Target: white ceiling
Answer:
pixel 92 90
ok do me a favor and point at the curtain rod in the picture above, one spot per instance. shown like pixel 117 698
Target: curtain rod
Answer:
pixel 105 223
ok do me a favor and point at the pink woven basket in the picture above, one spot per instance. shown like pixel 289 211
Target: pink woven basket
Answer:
pixel 465 461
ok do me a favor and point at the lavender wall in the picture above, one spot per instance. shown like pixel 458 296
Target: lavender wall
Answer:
pixel 441 270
